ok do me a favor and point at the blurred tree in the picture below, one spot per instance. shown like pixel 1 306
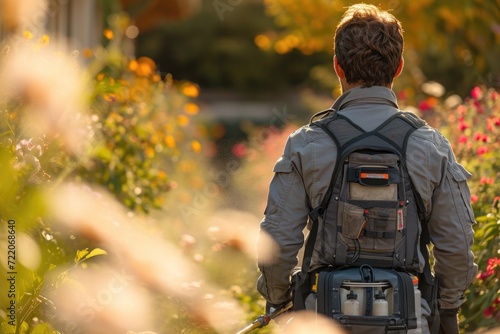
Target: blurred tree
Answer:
pixel 216 47
pixel 454 42
pixel 150 13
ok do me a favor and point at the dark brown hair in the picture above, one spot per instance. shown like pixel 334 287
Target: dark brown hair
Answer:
pixel 369 45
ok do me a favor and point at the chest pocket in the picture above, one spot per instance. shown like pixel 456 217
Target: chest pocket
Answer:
pixel 460 190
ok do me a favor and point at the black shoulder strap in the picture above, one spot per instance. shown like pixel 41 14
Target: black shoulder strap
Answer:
pixel 317 212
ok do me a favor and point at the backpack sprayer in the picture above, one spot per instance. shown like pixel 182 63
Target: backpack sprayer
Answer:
pixel 263 320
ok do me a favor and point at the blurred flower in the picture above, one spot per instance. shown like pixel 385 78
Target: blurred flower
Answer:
pixel 170 141
pixel 452 101
pixel 191 108
pixel 433 88
pixel 144 66
pixel 108 33
pixel 494 95
pixel 492 264
pixel 48 85
pixel 486 180
pixel 476 93
pixel 428 103
pixel 478 136
pixel 489 311
pixel 462 125
pixel 463 139
pixel 482 150
pixel 461 109
pixel 182 120
pixel 239 150
pixel 190 90
pixel 196 146
pixel 263 42
pixel 187 241
pixel 479 107
pixel 474 198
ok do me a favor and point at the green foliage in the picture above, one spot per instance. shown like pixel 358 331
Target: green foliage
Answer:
pixel 134 130
pixel 142 125
pixel 473 129
pixel 217 49
pixel 452 42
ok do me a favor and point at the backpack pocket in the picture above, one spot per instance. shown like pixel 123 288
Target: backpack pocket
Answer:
pixel 375 229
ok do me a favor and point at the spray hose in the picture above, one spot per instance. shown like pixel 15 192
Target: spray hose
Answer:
pixel 263 320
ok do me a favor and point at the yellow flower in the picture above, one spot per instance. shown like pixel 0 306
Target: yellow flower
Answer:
pixel 190 90
pixel 191 108
pixel 146 66
pixel 87 53
pixel 150 152
pixel 27 34
pixel 182 120
pixel 263 42
pixel 196 146
pixel 45 39
pixel 170 141
pixel 108 33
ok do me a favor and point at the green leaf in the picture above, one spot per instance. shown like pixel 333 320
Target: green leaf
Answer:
pixel 96 252
pixel 80 255
pixel 24 328
pixel 44 328
pixel 6 328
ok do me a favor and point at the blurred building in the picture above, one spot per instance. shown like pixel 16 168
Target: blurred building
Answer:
pixel 82 22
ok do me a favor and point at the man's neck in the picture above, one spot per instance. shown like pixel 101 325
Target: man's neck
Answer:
pixel 345 86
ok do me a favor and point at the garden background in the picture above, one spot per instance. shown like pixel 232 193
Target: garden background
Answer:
pixel 134 174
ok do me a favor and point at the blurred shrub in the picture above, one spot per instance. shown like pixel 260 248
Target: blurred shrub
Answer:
pixel 473 129
pixel 115 124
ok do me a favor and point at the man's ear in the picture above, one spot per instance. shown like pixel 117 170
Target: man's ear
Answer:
pixel 400 67
pixel 340 72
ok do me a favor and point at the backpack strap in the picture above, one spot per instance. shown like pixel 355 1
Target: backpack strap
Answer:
pixel 317 212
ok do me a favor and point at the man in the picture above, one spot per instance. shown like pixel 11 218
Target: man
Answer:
pixel 368 56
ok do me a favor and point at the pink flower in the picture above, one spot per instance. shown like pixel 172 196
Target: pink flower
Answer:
pixel 462 126
pixel 494 95
pixel 486 180
pixel 482 150
pixel 239 150
pixel 479 107
pixel 489 311
pixel 483 275
pixel 463 139
pixel 478 136
pixel 461 109
pixel 424 105
pixel 474 198
pixel 492 264
pixel 476 93
pixel 402 95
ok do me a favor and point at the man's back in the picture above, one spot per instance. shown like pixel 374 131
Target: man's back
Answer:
pixel 368 56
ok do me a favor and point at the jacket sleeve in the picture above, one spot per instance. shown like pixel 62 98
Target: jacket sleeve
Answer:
pixel 281 235
pixel 442 184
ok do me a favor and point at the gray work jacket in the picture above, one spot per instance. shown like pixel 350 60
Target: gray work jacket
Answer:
pixel 302 175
